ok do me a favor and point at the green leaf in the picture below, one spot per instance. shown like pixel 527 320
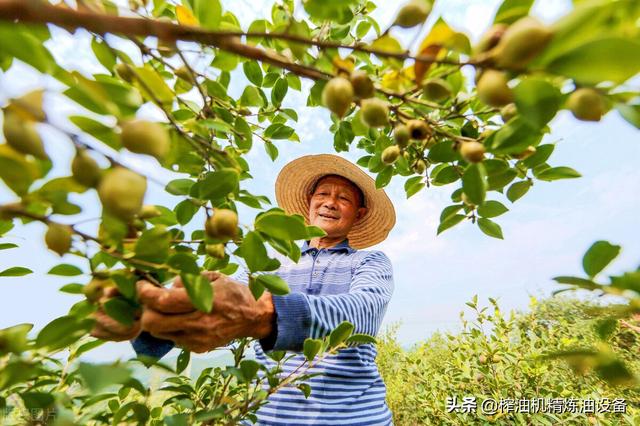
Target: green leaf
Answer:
pixel 218 184
pixel 183 360
pixel 274 284
pixel 443 152
pixel 578 282
pixel 514 137
pixel 271 150
pixel 335 10
pixel 208 12
pixel 615 372
pixel 16 271
pixel 340 333
pixel 279 91
pixel 153 245
pixel 361 338
pixel 384 177
pixel 19 41
pixel 490 228
pixel 305 388
pixel 225 61
pixel 249 369
pixel 449 211
pixel 285 227
pixel 103 53
pixel 537 101
pixel 253 72
pixel 154 86
pixel 413 185
pixel 631 113
pixel 311 348
pixel 599 255
pixel 256 288
pixel 542 154
pixel 492 208
pixel 179 186
pixel 609 59
pixel 99 376
pixel 121 310
pixel 512 10
pixel 517 190
pixel 65 270
pixel 450 222
pixel 37 400
pixel 184 262
pixel 253 251
pixel 474 183
pixel 199 290
pixel 63 331
pixel 605 327
pixel 627 281
pixel 556 173
pixel 251 97
pixel 185 210
pixel 5 226
pixel 72 288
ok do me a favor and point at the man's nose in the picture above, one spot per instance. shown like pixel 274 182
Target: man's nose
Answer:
pixel 330 202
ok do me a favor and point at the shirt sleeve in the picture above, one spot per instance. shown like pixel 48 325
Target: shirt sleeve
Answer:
pixel 299 316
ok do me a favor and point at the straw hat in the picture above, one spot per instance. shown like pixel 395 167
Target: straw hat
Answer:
pixel 298 177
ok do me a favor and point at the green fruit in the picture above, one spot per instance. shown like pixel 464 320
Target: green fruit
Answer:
pixel 22 136
pixel 420 167
pixel 121 192
pixel 337 95
pixel 58 238
pixel 413 13
pixel 374 112
pixel 521 43
pixel 149 211
pixel 482 359
pixel 436 89
pixel 222 226
pixel 491 38
pixel 146 137
pixel 167 48
pixel 215 250
pixel 401 135
pixel 95 289
pixel 184 73
pixel 419 129
pixel 586 104
pixel 85 170
pixel 362 84
pixel 125 72
pixel 508 111
pixel 493 89
pixel 472 152
pixel 390 154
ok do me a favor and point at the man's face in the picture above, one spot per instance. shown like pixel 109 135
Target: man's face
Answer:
pixel 335 206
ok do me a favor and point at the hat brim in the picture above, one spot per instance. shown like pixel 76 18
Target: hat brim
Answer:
pixel 298 177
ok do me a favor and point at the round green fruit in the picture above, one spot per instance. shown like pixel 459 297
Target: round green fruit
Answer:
pixel 85 170
pixel 121 192
pixel 337 95
pixel 58 238
pixel 215 250
pixel 420 167
pixel 149 211
pixel 418 129
pixel 374 112
pixel 436 89
pixel 472 152
pixel 521 43
pixel 508 111
pixel 22 135
pixel 390 154
pixel 413 13
pixel 401 135
pixel 222 226
pixel 493 89
pixel 146 137
pixel 362 85
pixel 586 104
pixel 491 38
pixel 95 289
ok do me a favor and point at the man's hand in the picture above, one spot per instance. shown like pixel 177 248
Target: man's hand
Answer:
pixel 106 328
pixel 169 314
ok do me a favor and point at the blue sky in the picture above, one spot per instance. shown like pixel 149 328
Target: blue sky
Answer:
pixel 546 232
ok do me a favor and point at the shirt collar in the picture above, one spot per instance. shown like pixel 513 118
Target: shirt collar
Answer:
pixel 340 247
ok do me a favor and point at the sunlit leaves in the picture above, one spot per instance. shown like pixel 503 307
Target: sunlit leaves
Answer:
pixel 599 255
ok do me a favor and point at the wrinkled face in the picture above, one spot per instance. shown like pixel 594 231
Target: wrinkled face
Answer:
pixel 334 206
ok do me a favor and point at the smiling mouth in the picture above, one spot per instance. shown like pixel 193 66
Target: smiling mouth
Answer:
pixel 327 216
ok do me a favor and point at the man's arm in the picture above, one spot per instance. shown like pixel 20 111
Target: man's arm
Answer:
pixel 299 316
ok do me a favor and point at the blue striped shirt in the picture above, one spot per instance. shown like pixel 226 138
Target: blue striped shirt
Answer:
pixel 328 286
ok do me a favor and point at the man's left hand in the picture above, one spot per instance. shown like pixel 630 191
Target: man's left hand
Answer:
pixel 169 314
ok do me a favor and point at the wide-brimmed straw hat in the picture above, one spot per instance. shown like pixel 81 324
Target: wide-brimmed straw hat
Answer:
pixel 297 178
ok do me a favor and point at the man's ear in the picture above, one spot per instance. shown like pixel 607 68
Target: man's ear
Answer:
pixel 362 212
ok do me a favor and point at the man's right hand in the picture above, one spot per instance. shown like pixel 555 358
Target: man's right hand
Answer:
pixel 106 328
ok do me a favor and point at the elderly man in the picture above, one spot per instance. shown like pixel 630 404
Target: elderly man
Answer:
pixel 333 281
